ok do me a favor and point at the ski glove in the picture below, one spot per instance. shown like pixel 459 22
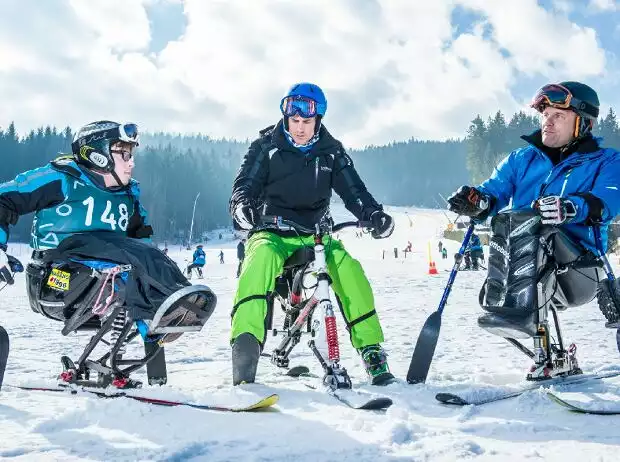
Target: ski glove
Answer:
pixel 8 266
pixel 383 224
pixel 469 201
pixel 246 216
pixel 555 210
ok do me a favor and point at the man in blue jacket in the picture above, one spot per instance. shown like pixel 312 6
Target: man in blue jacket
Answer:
pixel 566 179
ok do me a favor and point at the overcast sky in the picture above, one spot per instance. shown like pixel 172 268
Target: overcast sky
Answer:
pixel 391 69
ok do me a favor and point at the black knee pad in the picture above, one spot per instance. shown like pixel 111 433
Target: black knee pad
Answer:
pixel 515 260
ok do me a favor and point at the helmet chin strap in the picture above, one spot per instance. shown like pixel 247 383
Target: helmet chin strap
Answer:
pixel 583 127
pixel 116 178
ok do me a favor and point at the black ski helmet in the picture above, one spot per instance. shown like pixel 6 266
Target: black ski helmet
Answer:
pixel 91 144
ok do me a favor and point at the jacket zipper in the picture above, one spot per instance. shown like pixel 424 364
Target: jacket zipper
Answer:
pixel 316 173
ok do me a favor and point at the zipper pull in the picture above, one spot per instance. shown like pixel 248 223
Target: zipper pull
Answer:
pixel 316 172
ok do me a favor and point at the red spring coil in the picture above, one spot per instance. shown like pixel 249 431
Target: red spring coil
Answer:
pixel 333 349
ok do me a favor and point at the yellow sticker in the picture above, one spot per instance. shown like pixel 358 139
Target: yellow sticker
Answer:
pixel 59 280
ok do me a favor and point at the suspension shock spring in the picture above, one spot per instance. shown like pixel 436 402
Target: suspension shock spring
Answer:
pixel 331 333
pixel 117 328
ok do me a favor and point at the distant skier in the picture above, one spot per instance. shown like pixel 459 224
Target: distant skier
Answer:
pixel 444 254
pixel 240 255
pixel 221 255
pixel 198 262
pixel 440 247
pixel 475 250
pixel 560 188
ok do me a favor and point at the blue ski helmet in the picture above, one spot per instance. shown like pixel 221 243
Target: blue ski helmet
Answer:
pixel 293 101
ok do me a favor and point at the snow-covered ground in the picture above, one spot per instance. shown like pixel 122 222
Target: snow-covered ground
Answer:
pixel 309 425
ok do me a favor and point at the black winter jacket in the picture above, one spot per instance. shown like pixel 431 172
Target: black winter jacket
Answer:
pixel 279 179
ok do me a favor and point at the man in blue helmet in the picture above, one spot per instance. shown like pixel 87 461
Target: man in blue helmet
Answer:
pixel 553 193
pixel 290 171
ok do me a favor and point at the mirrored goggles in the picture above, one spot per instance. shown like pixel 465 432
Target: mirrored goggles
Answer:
pixel 129 133
pixel 301 105
pixel 560 97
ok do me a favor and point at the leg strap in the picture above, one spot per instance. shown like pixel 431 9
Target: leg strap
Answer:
pixel 363 317
pixel 265 297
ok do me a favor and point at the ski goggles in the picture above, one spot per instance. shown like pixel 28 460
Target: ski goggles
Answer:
pixel 127 133
pixel 302 105
pixel 558 96
pixel 553 95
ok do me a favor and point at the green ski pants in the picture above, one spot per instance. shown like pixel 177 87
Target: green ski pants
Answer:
pixel 265 254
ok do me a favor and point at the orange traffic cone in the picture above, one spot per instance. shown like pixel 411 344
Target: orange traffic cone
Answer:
pixel 432 269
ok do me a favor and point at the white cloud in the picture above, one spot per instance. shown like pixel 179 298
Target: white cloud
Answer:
pixel 391 69
pixel 563 6
pixel 603 5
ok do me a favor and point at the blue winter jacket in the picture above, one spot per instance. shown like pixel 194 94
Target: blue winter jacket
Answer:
pixel 199 257
pixel 67 200
pixel 590 179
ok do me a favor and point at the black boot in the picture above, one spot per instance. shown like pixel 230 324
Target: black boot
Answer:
pixel 245 354
pixel 156 367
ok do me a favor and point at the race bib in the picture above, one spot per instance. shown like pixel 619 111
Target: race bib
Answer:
pixel 59 280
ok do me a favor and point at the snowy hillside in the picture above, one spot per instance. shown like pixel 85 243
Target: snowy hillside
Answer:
pixel 308 425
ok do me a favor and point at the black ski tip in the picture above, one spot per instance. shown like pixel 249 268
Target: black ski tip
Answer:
pixel 449 398
pixel 298 371
pixel 376 404
pixel 424 349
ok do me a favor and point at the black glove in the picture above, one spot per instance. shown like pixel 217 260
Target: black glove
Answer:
pixel 137 229
pixel 469 201
pixel 383 224
pixel 555 210
pixel 246 216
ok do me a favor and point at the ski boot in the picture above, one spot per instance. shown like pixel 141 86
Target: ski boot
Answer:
pixel 156 367
pixel 245 355
pixel 375 362
pixel 562 363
